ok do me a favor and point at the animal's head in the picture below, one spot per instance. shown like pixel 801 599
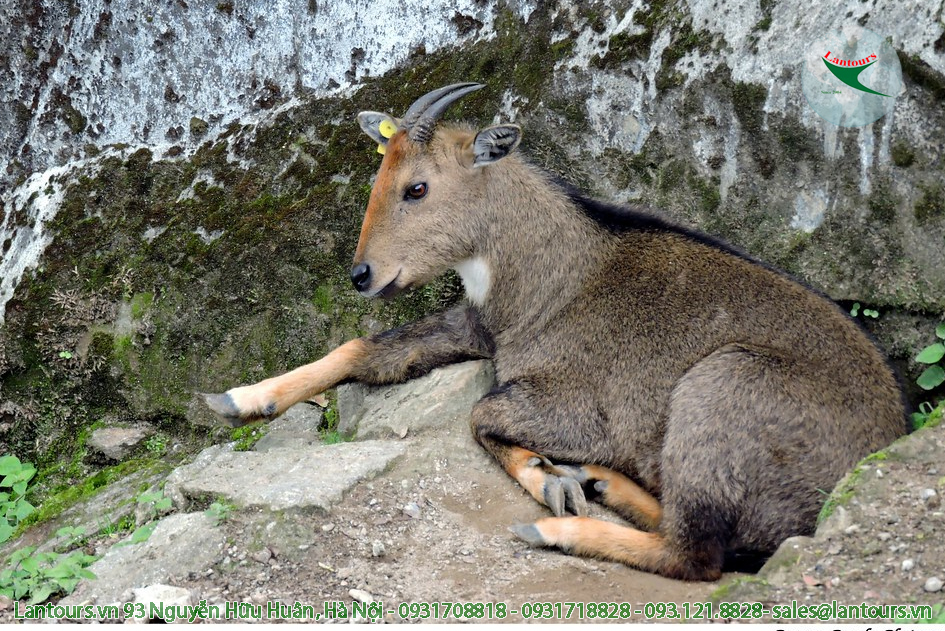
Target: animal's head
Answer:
pixel 422 215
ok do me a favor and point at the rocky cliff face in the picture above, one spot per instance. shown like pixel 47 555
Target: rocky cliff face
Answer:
pixel 185 182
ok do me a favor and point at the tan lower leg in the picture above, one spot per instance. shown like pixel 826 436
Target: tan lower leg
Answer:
pixel 273 396
pixel 626 497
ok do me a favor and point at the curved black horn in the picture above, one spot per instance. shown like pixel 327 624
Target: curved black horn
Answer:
pixel 421 118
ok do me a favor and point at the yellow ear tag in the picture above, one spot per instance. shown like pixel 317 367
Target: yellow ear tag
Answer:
pixel 387 128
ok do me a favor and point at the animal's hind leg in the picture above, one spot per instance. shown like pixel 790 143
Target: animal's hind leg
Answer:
pixel 536 474
pixel 618 492
pixel 647 551
pixel 522 437
pixel 511 424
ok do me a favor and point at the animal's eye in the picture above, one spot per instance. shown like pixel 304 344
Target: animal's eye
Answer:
pixel 416 191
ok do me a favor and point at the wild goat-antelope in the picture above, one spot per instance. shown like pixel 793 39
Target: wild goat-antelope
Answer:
pixel 704 396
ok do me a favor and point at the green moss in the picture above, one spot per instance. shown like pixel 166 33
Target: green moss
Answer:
pixel 140 303
pixel 795 141
pixel 198 127
pixel 883 203
pixel 101 347
pixel 54 503
pixel 708 191
pixel 248 435
pixel 323 299
pixel 623 47
pixel 846 488
pixel 931 204
pixel 748 99
pixel 923 75
pixel 902 154
pixel 74 120
pixel 728 591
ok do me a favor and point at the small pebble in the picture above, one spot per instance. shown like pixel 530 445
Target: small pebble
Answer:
pixel 262 556
pixel 907 564
pixel 328 527
pixel 361 596
pixel 378 549
pixel 851 529
pixel 927 494
pixel 412 510
pixel 879 472
pixel 885 536
pixel 933 584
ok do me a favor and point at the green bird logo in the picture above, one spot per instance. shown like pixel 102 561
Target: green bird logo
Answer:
pixel 849 71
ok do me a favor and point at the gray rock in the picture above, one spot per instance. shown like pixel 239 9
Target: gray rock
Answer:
pixel 106 507
pixel 933 584
pixel 297 428
pixel 314 477
pixel 443 398
pixel 117 443
pixel 835 525
pixel 180 544
pixel 781 569
pixel 907 565
pixel 163 596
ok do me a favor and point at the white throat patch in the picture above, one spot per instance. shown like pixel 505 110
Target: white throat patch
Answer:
pixel 477 278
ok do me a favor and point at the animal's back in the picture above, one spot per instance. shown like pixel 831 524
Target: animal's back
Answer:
pixel 758 367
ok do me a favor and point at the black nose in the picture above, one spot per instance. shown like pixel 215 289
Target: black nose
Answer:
pixel 361 276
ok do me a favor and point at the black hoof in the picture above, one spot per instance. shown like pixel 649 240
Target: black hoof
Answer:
pixel 223 406
pixel 529 533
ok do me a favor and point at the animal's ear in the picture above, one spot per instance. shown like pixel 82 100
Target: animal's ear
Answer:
pixel 494 143
pixel 379 126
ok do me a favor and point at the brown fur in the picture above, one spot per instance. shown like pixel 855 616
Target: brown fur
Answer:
pixel 716 399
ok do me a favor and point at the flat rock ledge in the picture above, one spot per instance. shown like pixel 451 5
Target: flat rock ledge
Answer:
pixel 308 478
pixel 443 398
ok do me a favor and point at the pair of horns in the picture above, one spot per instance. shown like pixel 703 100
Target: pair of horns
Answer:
pixel 420 120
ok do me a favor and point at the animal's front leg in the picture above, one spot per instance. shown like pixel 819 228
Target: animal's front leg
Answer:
pixel 390 357
pixel 271 397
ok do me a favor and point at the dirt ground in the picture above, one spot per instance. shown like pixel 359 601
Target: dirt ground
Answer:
pixel 450 544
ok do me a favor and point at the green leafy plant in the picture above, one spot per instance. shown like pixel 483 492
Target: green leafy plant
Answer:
pixel 13 505
pixel 156 444
pixel 933 376
pixel 927 415
pixel 328 428
pixel 70 535
pixel 155 503
pixel 39 575
pixel 65 355
pixel 142 533
pixel 219 512
pixel 869 313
